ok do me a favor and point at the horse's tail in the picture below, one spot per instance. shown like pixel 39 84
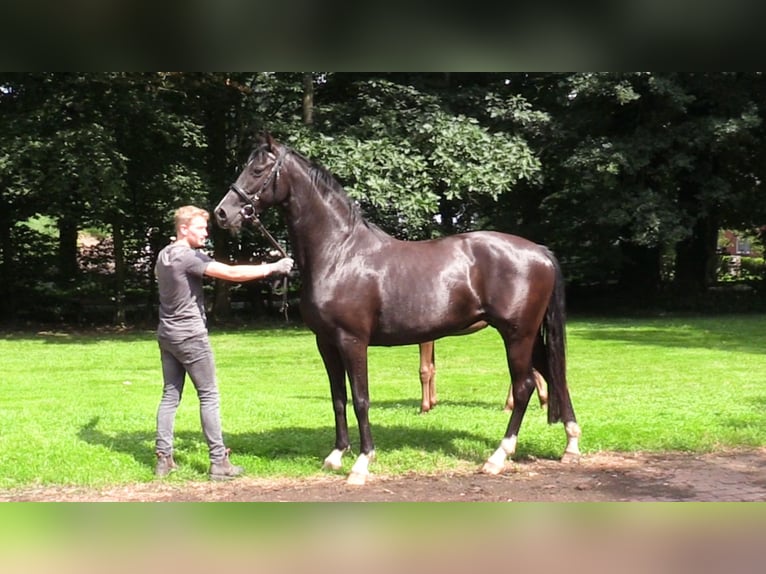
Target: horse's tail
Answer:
pixel 553 333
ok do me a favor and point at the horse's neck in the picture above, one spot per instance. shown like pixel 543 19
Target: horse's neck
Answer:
pixel 323 228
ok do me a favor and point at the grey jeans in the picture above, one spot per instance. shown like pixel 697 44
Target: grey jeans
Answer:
pixel 194 357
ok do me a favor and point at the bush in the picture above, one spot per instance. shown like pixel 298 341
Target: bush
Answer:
pixel 739 268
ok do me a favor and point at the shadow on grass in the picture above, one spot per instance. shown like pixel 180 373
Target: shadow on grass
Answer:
pixel 66 336
pixel 296 442
pixel 413 404
pixel 69 334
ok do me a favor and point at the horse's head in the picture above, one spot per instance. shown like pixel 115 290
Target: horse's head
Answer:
pixel 256 188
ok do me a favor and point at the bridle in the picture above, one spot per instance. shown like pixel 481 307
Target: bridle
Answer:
pixel 249 213
pixel 249 210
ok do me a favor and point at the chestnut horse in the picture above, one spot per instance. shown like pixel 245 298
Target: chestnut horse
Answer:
pixel 427 372
pixel 357 291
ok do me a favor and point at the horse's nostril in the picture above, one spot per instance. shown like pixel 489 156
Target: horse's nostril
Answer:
pixel 221 214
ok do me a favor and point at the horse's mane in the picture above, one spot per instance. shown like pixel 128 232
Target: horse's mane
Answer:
pixel 327 185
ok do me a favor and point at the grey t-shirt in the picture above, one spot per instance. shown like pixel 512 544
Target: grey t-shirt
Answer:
pixel 179 272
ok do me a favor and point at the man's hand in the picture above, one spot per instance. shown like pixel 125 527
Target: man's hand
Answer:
pixel 283 266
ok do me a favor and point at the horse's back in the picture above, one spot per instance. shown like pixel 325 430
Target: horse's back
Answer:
pixel 481 253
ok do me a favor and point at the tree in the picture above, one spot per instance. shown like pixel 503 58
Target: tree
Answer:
pixel 109 152
pixel 398 149
pixel 627 176
pixel 644 164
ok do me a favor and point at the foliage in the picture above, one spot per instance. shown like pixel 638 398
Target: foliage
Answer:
pixel 738 268
pixel 627 176
pixel 400 151
pixel 650 158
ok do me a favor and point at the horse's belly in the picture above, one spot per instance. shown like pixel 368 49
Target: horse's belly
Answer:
pixel 418 329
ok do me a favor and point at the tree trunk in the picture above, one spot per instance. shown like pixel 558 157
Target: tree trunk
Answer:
pixel 222 290
pixel 7 259
pixel 640 271
pixel 695 257
pixel 447 212
pixel 217 110
pixel 119 274
pixel 308 98
pixel 156 243
pixel 67 250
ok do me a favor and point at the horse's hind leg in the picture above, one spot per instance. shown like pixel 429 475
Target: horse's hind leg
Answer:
pixel 542 388
pixel 337 375
pixel 563 405
pixel 427 377
pixel 542 392
pixel 522 386
pixel 539 370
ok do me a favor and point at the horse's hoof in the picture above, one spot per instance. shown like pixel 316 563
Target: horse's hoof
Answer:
pixel 570 458
pixel 332 463
pixel 356 479
pixel 491 468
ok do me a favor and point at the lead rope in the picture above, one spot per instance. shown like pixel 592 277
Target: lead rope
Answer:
pixel 283 253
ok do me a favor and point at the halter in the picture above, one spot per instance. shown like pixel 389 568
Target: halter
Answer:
pixel 249 214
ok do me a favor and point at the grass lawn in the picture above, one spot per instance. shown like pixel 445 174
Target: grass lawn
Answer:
pixel 78 409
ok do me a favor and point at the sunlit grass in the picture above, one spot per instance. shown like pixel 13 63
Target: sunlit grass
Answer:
pixel 79 409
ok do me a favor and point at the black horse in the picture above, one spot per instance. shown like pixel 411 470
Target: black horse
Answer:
pixel 362 287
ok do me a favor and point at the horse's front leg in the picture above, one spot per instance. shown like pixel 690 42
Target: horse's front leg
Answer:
pixel 354 353
pixel 336 373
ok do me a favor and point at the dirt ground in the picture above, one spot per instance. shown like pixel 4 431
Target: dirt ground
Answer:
pixel 732 476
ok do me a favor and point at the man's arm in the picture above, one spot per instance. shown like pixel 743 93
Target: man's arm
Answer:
pixel 248 272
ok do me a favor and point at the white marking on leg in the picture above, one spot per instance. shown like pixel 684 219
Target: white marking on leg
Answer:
pixel 334 460
pixel 360 470
pixel 572 450
pixel 496 462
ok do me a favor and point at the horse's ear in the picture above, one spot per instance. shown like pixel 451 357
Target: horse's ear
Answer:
pixel 265 140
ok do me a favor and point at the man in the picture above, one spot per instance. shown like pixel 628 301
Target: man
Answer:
pixel 183 337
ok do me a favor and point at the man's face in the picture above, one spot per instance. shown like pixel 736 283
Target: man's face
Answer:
pixel 195 232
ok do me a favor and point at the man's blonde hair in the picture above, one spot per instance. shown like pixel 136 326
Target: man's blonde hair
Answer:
pixel 185 214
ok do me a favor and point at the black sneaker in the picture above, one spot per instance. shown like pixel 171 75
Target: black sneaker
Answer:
pixel 224 470
pixel 165 465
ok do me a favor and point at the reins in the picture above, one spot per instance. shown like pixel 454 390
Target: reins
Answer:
pixel 283 253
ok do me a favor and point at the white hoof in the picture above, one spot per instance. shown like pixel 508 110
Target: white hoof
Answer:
pixel 356 479
pixel 570 458
pixel 492 468
pixel 334 460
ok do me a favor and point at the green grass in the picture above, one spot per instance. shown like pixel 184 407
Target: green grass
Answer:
pixel 79 409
